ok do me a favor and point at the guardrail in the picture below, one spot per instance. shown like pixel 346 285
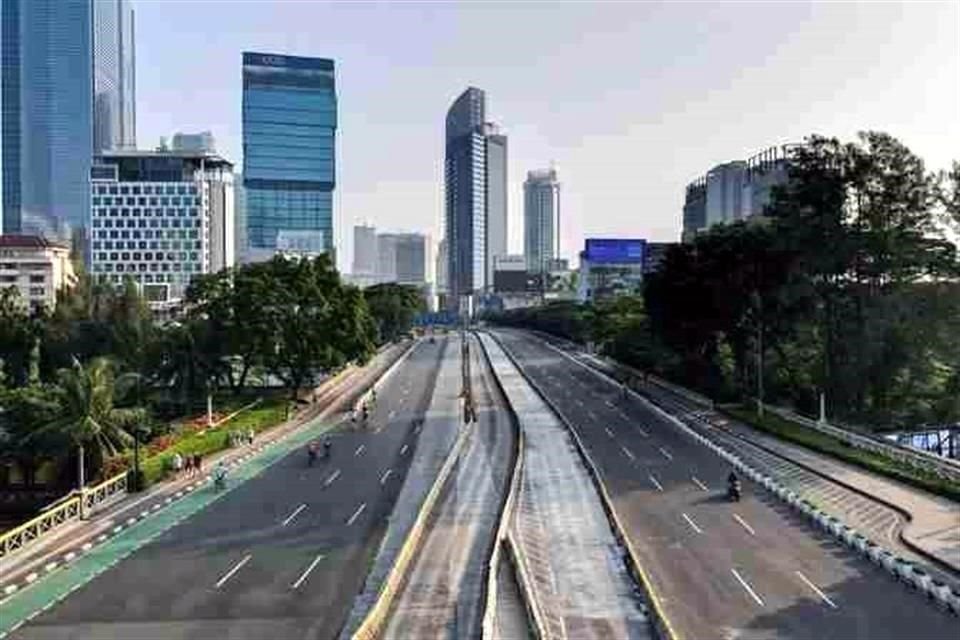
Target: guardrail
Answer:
pixel 67 511
pixel 631 560
pixel 503 541
pixel 377 618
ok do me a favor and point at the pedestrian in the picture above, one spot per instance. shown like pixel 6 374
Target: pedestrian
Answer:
pixel 250 437
pixel 177 464
pixel 198 463
pixel 188 465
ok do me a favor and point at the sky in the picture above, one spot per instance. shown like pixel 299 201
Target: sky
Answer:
pixel 629 100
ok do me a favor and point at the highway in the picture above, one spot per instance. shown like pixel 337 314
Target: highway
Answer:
pixel 443 595
pixel 280 556
pixel 722 570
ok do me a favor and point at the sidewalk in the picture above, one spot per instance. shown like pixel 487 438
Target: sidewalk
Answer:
pixel 78 536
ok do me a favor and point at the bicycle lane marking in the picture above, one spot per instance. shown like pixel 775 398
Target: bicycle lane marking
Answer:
pixel 45 593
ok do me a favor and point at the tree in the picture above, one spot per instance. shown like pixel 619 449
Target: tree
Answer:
pixel 87 415
pixel 393 307
pixel 23 413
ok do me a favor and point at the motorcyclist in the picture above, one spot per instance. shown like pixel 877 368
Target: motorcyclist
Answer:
pixel 733 485
pixel 220 476
pixel 311 453
pixel 326 447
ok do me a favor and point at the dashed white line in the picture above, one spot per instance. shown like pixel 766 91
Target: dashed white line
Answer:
pixel 608 403
pixel 359 450
pixel 386 474
pixel 822 595
pixel 293 515
pixel 333 476
pixel 747 587
pixel 697 482
pixel 666 454
pixel 691 523
pixel 628 453
pixel 655 482
pixel 230 573
pixel 403 449
pixel 642 431
pixel 356 514
pixel 609 433
pixel 303 576
pixel 743 523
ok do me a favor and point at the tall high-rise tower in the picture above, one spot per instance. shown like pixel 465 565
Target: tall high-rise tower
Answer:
pixel 68 92
pixel 475 176
pixel 541 219
pixel 289 154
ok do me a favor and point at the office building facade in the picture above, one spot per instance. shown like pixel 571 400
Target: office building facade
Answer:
pixel 475 170
pixel 289 154
pixel 57 53
pixel 364 250
pixel 161 218
pixel 37 267
pixel 541 219
pixel 202 141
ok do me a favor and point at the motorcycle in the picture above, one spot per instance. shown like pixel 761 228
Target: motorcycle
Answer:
pixel 219 483
pixel 733 492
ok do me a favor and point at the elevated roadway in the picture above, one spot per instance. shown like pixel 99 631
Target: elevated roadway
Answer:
pixel 722 570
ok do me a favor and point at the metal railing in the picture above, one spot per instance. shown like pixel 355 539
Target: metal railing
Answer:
pixel 67 511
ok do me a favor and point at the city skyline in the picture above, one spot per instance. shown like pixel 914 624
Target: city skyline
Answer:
pixel 628 131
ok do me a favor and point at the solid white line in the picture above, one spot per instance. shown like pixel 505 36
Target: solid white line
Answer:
pixel 822 595
pixel 386 474
pixel 609 433
pixel 627 453
pixel 359 450
pixel 666 454
pixel 333 476
pixel 304 575
pixel 697 482
pixel 692 523
pixel 236 568
pixel 743 583
pixel 293 515
pixel 356 514
pixel 744 524
pixel 403 449
pixel 655 482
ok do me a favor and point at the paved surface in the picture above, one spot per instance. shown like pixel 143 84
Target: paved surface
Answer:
pixel 746 570
pixel 511 620
pixel 437 431
pixel 443 597
pixel 565 539
pixel 280 556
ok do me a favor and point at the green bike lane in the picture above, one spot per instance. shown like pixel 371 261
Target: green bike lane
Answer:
pixel 50 589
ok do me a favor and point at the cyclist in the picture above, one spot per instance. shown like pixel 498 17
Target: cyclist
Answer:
pixel 220 476
pixel 311 453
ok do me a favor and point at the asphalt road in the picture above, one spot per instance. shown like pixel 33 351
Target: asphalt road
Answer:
pixel 443 597
pixel 722 570
pixel 280 556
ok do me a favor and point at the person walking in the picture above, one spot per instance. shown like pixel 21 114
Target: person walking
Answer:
pixel 188 465
pixel 198 463
pixel 177 464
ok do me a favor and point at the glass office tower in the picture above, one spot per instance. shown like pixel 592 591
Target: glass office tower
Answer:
pixel 67 90
pixel 289 169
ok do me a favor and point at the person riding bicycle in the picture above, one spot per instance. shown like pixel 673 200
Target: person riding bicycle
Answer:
pixel 311 453
pixel 220 475
pixel 326 447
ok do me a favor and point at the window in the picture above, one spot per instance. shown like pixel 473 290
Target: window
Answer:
pixel 114 256
pixel 125 256
pixel 37 279
pixel 135 190
pixel 124 189
pixel 36 291
pixel 8 279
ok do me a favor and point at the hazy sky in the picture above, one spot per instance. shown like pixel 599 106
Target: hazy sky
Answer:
pixel 631 100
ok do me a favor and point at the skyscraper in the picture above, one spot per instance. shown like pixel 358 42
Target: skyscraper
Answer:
pixel 364 250
pixel 475 192
pixel 289 168
pixel 541 219
pixel 68 90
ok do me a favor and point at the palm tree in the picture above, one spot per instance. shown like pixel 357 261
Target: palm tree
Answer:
pixel 87 412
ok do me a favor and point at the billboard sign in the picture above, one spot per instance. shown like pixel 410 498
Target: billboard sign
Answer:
pixel 615 250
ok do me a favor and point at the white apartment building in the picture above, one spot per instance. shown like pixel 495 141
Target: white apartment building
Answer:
pixel 161 218
pixel 37 267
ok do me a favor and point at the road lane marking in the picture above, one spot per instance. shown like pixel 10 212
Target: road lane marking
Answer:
pixel 303 576
pixel 386 474
pixel 591 415
pixel 609 433
pixel 359 450
pixel 403 449
pixel 333 476
pixel 230 573
pixel 642 431
pixel 697 482
pixel 623 414
pixel 627 453
pixel 293 515
pixel 356 514
pixel 692 523
pixel 666 454
pixel 822 595
pixel 655 482
pixel 744 524
pixel 608 403
pixel 743 583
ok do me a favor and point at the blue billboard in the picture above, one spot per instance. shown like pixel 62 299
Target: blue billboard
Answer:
pixel 615 250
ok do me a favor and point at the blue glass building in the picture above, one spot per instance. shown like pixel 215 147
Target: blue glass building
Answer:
pixel 67 89
pixel 289 163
